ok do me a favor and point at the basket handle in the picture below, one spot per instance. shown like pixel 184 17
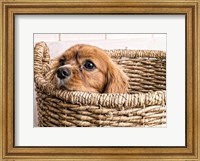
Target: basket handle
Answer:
pixel 41 63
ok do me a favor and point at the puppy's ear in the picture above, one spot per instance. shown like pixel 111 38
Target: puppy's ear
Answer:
pixel 117 81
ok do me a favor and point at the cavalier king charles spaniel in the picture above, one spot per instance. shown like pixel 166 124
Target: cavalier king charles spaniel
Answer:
pixel 90 69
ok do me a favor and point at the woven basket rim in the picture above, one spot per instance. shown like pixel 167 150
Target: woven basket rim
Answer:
pixel 131 53
pixel 113 100
pixel 42 58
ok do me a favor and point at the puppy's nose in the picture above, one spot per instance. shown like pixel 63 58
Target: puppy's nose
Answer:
pixel 62 73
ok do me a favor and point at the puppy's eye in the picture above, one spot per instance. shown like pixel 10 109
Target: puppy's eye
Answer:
pixel 88 65
pixel 62 62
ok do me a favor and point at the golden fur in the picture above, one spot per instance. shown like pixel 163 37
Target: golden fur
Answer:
pixel 106 77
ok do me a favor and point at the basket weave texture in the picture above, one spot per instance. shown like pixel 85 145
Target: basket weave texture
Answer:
pixel 143 106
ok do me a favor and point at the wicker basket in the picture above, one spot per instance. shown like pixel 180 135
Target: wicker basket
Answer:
pixel 143 106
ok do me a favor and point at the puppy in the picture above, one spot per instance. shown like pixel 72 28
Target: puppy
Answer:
pixel 90 69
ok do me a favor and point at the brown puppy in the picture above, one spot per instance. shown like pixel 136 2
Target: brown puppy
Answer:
pixel 88 68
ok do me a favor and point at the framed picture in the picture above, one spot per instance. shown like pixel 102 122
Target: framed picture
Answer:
pixel 60 107
pixel 136 70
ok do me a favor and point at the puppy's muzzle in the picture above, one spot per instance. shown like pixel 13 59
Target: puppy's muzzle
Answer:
pixel 63 72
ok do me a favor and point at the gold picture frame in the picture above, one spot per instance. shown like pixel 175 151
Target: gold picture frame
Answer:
pixel 10 8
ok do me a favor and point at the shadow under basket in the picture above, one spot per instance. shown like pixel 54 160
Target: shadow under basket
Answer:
pixel 143 106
